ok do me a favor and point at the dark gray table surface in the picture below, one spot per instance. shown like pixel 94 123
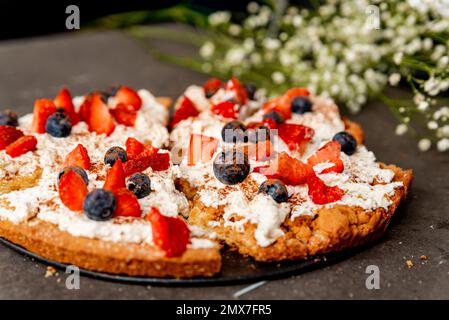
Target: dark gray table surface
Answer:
pixel 33 68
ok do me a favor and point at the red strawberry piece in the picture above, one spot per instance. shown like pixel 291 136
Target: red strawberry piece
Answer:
pixel 100 119
pixel 169 234
pixel 72 191
pixel 123 115
pixel 290 170
pixel 260 151
pixel 211 86
pixel 157 162
pixel 280 105
pixel 78 157
pixel 64 100
pixel 133 147
pixel 295 92
pixel 127 204
pixel 241 95
pixel 115 177
pixel 8 135
pixel 330 152
pixel 129 98
pixel 296 136
pixel 201 148
pixel 320 193
pixel 43 108
pixel 21 146
pixel 226 109
pixel 84 111
pixel 270 123
pixel 185 110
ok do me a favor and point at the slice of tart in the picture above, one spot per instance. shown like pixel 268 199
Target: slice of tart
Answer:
pixel 98 197
pixel 303 185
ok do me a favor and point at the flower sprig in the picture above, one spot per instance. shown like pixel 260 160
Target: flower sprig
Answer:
pixel 347 50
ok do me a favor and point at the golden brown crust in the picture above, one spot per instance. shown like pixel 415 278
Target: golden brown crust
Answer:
pixel 165 101
pixel 332 229
pixel 46 240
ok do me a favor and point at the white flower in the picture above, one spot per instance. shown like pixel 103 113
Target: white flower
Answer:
pixel 440 113
pixel 252 7
pixel 297 21
pixel 207 50
pixel 401 129
pixel 248 44
pixel 432 86
pixel 443 62
pixel 444 131
pixel 278 77
pixel 219 17
pixel 234 29
pixel 235 56
pixel 443 145
pixel 423 106
pixel 394 79
pixel 397 58
pixel 432 125
pixel 255 58
pixel 271 44
pixel 424 144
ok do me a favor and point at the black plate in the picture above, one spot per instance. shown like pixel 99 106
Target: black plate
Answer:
pixel 235 269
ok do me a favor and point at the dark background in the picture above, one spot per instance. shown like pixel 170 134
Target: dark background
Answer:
pixel 31 18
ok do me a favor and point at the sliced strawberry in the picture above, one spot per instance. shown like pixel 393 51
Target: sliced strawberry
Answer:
pixel 78 157
pixel 8 135
pixel 330 152
pixel 169 234
pixel 133 147
pixel 127 204
pixel 211 86
pixel 21 146
pixel 115 178
pixel 241 95
pixel 226 109
pixel 320 193
pixel 185 110
pixel 290 170
pixel 85 108
pixel 201 148
pixel 64 100
pixel 296 136
pixel 100 119
pixel 123 115
pixel 72 191
pixel 157 162
pixel 293 93
pixel 280 105
pixel 260 151
pixel 43 108
pixel 129 98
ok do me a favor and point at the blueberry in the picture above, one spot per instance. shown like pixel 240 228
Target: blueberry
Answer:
pixel 276 116
pixel 276 189
pixel 234 131
pixel 347 142
pixel 301 105
pixel 113 154
pixel 259 134
pixel 139 184
pixel 58 125
pixel 111 92
pixel 251 90
pixel 8 118
pixel 78 170
pixel 99 205
pixel 231 166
